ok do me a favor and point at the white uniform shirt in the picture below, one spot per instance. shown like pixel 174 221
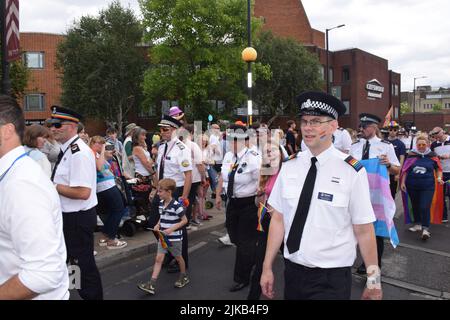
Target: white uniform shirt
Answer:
pixel 342 141
pixel 197 158
pixel 377 148
pixel 77 169
pixel 177 161
pixel 407 142
pixel 340 200
pixel 31 229
pixel 247 172
pixel 442 148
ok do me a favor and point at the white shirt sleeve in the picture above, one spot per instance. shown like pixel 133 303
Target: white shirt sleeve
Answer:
pixel 185 159
pixel 392 156
pixel 36 239
pixel 81 169
pixel 346 141
pixel 360 206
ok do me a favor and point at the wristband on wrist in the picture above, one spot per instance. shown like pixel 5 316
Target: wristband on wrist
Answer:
pixel 373 277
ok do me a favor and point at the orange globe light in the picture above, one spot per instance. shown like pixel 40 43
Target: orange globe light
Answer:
pixel 249 54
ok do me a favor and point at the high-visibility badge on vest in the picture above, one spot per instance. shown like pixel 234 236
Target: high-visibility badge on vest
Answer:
pixel 185 163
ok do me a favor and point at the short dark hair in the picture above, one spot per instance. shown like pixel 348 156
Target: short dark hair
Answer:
pixel 290 123
pixel 111 130
pixel 10 112
pixel 32 133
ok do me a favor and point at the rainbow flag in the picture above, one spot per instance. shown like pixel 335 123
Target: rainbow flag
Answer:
pixel 437 204
pixel 381 199
pixel 165 242
pixel 262 210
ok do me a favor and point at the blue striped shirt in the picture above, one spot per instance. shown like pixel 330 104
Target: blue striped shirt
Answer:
pixel 170 216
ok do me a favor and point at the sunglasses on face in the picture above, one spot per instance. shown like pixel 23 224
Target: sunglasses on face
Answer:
pixel 393 130
pixel 58 125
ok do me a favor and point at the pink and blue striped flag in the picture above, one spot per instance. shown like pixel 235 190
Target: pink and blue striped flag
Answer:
pixel 381 198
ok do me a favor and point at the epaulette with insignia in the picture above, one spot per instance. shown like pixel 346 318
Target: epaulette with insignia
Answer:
pixel 386 141
pixel 180 145
pixel 354 163
pixel 74 148
pixel 292 156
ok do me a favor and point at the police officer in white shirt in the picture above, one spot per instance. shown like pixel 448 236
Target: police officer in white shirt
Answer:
pixel 174 161
pixel 32 249
pixel 322 210
pixel 75 179
pixel 368 147
pixel 239 177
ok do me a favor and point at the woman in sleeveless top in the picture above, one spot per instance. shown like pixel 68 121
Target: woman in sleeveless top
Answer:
pixel 144 171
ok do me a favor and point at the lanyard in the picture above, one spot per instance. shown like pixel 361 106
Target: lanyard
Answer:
pixel 238 160
pixel 60 156
pixel 170 149
pixel 7 170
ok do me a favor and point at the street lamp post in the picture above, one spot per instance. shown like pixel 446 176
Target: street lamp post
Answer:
pixel 249 55
pixel 327 49
pixel 414 99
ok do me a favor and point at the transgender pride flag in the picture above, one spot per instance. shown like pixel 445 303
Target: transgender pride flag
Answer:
pixel 381 198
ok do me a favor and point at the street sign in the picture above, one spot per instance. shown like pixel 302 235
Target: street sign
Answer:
pixel 12 30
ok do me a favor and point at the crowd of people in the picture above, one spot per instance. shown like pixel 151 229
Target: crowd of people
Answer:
pixel 292 191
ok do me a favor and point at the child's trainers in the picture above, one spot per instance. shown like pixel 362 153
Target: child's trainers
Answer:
pixel 148 287
pixel 182 281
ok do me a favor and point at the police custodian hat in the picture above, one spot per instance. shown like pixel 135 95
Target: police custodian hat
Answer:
pixel 237 132
pixel 312 103
pixel 60 114
pixel 369 118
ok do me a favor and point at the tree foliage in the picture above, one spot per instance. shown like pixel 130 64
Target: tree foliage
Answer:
pixel 405 107
pixel 102 65
pixel 437 107
pixel 195 53
pixel 19 76
pixel 293 70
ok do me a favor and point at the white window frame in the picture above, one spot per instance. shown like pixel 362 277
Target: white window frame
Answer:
pixel 41 59
pixel 41 97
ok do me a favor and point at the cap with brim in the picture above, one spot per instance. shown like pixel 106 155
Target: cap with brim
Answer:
pixel 367 118
pixel 312 103
pixel 168 121
pixel 61 114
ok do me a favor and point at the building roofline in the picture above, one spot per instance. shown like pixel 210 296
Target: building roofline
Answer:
pixel 43 33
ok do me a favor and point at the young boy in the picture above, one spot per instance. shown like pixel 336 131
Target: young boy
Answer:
pixel 172 219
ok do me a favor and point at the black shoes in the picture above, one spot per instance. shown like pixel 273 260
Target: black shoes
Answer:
pixel 238 286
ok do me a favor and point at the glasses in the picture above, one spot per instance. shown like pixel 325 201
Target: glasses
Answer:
pixel 313 123
pixel 435 133
pixel 393 129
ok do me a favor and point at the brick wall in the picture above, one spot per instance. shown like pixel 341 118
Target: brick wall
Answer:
pixel 46 80
pixel 287 18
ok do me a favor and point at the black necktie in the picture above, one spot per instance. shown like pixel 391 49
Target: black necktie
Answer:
pixel 60 156
pixel 365 154
pixel 161 165
pixel 296 231
pixel 231 179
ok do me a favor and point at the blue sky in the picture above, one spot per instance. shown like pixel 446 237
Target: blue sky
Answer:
pixel 414 35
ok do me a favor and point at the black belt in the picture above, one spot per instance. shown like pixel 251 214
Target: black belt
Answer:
pixel 301 267
pixel 81 211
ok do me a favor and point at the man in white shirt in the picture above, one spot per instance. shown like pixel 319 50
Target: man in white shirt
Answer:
pixel 32 248
pixel 75 179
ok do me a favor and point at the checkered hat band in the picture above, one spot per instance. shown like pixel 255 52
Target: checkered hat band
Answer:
pixel 317 105
pixel 368 119
pixel 168 123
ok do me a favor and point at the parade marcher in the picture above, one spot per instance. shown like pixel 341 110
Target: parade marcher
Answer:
pixel 32 250
pixel 272 158
pixel 291 146
pixel 371 146
pixel 33 141
pixel 421 178
pixel 110 200
pixel 321 209
pixel 400 152
pixel 172 219
pixel 174 162
pixel 75 179
pixel 239 177
pixel 442 148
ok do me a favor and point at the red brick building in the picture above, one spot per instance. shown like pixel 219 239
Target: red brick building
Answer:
pixel 44 86
pixel 360 79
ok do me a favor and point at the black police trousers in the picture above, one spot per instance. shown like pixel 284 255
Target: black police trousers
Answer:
pixel 303 283
pixel 241 223
pixel 78 230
